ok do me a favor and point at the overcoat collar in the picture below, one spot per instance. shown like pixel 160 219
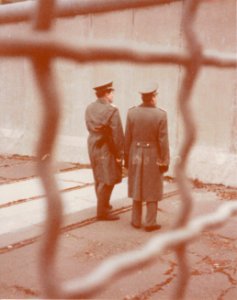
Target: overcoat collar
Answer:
pixel 102 100
pixel 147 105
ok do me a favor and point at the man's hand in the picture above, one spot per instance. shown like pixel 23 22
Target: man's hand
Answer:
pixel 163 168
pixel 119 161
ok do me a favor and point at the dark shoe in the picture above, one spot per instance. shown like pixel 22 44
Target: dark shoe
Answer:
pixel 135 226
pixel 152 228
pixel 108 218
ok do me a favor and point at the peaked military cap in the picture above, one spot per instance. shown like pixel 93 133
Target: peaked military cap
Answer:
pixel 104 87
pixel 149 90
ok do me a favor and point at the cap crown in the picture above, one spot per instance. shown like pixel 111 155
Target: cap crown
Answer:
pixel 149 90
pixel 104 87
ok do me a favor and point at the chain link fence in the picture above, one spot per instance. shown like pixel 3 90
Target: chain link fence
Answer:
pixel 42 49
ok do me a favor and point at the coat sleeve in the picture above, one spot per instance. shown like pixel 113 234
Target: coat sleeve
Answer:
pixel 128 140
pixel 164 144
pixel 117 134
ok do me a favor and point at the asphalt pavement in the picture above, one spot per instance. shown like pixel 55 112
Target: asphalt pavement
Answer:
pixel 85 242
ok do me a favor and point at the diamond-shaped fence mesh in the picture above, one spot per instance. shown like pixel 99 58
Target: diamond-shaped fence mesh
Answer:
pixel 42 49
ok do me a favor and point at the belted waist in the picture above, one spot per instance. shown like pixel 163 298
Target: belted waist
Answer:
pixel 145 144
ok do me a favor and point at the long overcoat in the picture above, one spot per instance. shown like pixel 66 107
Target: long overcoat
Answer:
pixel 105 141
pixel 146 150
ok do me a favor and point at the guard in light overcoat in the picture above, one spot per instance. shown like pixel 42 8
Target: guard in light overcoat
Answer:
pixel 146 157
pixel 105 147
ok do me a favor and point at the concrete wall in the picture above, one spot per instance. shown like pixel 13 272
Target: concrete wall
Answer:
pixel 214 156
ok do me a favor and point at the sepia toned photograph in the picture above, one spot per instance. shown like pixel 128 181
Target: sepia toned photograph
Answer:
pixel 118 149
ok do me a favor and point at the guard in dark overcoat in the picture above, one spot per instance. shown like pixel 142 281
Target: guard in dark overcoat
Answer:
pixel 105 147
pixel 146 157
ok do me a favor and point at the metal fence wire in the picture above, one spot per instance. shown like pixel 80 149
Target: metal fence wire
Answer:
pixel 42 49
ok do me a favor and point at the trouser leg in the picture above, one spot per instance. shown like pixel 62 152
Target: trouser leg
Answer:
pixel 151 213
pixel 137 213
pixel 103 193
pixel 108 192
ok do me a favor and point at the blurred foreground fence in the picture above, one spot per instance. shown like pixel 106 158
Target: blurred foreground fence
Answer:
pixel 42 48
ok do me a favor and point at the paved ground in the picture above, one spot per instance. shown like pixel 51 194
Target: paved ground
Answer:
pixel 85 242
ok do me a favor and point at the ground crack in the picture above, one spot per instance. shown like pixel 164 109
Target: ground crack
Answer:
pixel 27 291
